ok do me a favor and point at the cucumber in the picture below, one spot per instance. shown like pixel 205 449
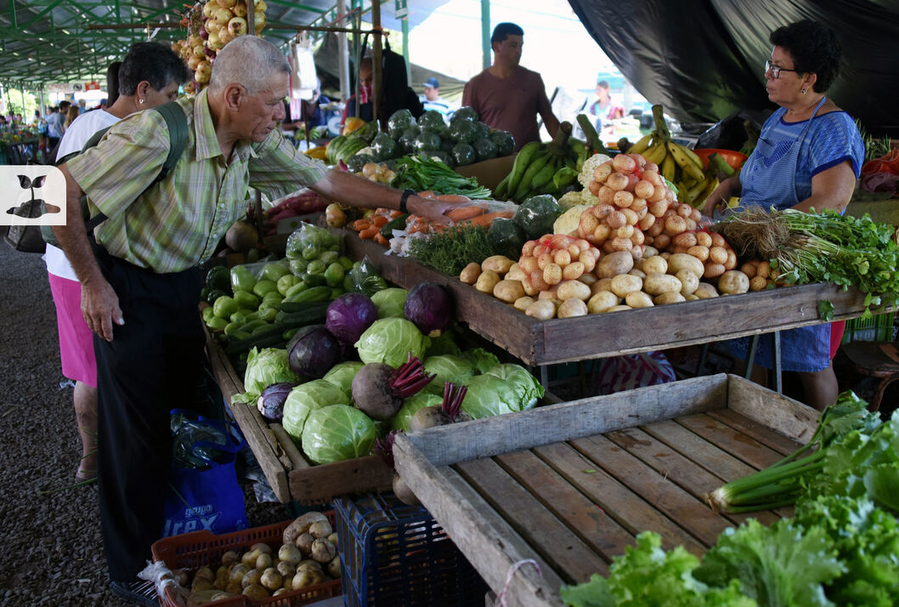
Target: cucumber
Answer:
pixel 311 294
pixel 398 223
pixel 312 313
pixel 267 337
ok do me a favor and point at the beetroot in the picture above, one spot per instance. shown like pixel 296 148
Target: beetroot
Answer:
pixel 379 389
pixel 450 412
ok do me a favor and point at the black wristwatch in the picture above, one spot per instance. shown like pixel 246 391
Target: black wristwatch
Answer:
pixel 404 198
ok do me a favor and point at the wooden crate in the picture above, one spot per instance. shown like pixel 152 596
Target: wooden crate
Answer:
pixel 603 335
pixel 290 474
pixel 572 484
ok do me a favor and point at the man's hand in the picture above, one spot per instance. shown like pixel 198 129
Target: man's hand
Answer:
pixel 100 307
pixel 434 210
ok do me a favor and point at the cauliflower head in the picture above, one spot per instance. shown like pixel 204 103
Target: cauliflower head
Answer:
pixel 586 174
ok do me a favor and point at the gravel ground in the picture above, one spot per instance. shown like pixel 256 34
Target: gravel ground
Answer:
pixel 52 550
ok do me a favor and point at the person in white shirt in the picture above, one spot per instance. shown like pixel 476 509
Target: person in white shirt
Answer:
pixel 149 76
pixel 432 99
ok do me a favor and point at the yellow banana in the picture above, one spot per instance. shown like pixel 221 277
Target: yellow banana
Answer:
pixel 668 167
pixel 677 152
pixel 641 146
pixel 694 192
pixel 656 154
pixel 703 196
pixel 692 156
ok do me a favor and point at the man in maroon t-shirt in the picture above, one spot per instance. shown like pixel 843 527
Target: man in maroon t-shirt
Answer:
pixel 507 96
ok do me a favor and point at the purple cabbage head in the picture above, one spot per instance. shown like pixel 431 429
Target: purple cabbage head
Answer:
pixel 313 351
pixel 271 403
pixel 349 316
pixel 428 305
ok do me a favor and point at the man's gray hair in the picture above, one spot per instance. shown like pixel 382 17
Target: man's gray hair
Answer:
pixel 249 61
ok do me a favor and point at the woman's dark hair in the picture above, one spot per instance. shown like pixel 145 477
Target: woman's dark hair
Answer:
pixel 153 62
pixel 112 82
pixel 814 48
pixel 504 30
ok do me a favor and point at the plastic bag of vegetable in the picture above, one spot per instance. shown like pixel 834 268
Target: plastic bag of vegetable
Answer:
pixel 433 121
pixel 464 114
pixel 264 368
pixel 506 237
pixel 463 131
pixel 399 121
pixel 485 149
pixel 304 399
pixel 505 143
pixel 390 340
pixel 365 277
pixel 384 147
pixel 463 154
pixel 309 242
pixel 336 433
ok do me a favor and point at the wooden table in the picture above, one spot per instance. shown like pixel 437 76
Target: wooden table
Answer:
pixel 570 485
pixel 602 335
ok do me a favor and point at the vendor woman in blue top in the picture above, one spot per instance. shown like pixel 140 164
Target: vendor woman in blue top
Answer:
pixel 808 156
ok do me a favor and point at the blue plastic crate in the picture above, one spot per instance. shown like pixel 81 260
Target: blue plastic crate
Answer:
pixel 397 555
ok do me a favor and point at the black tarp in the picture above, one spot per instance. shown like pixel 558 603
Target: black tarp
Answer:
pixel 703 60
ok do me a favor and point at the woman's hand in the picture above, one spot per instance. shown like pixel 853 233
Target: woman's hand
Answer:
pixel 721 196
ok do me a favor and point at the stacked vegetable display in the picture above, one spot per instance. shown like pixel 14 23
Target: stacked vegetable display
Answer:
pixel 335 407
pixel 839 549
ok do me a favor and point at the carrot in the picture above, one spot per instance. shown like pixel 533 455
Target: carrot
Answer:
pixel 379 221
pixel 463 213
pixel 395 214
pixel 379 238
pixel 487 218
pixel 361 224
pixel 453 198
pixel 369 233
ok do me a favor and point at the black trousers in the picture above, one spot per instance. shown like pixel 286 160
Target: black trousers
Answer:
pixel 152 365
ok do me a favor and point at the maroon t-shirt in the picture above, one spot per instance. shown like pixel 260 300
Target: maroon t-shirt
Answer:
pixel 509 104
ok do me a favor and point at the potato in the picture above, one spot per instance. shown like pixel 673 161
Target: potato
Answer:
pixel 549 293
pixel 264 561
pixel 515 273
pixel 290 553
pixel 250 577
pixel 487 281
pixel 304 542
pixel 655 264
pixel 320 529
pixel 323 550
pixel 683 261
pixel 205 573
pixel 201 583
pixel 237 572
pixel 649 251
pixel 758 283
pixel 271 579
pixel 286 569
pixel 733 282
pixel 529 289
pixel 705 291
pixel 668 298
pixel 572 307
pixel 714 269
pixel 601 301
pixel 763 269
pixel 281 591
pixel 262 548
pixel 497 263
pixel 230 557
pixel 333 538
pixel 309 564
pixel 304 579
pixel 691 297
pixel 572 288
pixel 613 264
pixel 249 558
pixel 604 284
pixel 521 304
pixel 234 588
pixel 542 309
pixel 619 308
pixel 588 278
pixel 334 568
pixel 718 255
pixel 625 283
pixel 689 280
pixel 508 290
pixel 638 299
pixel 656 284
pixel 255 592
pixel 301 525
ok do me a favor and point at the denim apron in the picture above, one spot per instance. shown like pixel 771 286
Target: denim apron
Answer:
pixel 769 179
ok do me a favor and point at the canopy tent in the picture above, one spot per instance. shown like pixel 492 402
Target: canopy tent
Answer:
pixel 704 59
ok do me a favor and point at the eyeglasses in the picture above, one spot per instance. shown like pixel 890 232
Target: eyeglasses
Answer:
pixel 776 70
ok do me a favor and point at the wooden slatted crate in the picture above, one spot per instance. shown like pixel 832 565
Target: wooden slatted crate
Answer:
pixel 571 485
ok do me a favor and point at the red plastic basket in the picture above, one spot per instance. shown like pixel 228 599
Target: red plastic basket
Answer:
pixel 734 159
pixel 199 548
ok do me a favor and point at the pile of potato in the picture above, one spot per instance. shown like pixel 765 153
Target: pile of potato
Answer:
pixel 307 556
pixel 618 282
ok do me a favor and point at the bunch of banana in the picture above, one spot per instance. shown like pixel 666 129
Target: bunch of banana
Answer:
pixel 544 168
pixel 677 164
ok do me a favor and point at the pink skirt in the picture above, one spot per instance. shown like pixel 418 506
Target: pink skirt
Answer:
pixel 76 340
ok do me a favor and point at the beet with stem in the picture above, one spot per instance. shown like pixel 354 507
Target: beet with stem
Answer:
pixel 448 413
pixel 379 389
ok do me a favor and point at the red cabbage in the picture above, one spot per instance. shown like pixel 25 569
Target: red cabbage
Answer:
pixel 271 403
pixel 349 316
pixel 313 351
pixel 428 306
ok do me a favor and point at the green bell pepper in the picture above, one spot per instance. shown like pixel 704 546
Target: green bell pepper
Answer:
pixel 242 279
pixel 224 306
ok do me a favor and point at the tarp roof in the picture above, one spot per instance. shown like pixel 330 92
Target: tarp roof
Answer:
pixel 704 59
